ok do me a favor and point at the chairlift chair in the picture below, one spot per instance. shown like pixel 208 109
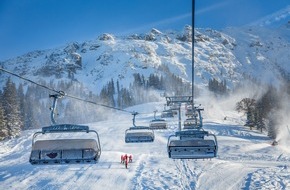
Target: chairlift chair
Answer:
pixel 192 144
pixel 167 114
pixel 69 150
pixel 191 123
pixel 189 112
pixel 65 150
pixel 157 123
pixel 174 108
pixel 194 120
pixel 138 134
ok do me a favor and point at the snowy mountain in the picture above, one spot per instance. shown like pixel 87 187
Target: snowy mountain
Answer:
pixel 109 57
pixel 233 54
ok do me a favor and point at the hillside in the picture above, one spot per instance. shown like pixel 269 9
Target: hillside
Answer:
pixel 232 54
pixel 245 160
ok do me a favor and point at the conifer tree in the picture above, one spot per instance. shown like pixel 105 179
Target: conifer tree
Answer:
pixel 248 106
pixel 21 98
pixel 11 109
pixel 3 128
pixel 29 107
pixel 118 95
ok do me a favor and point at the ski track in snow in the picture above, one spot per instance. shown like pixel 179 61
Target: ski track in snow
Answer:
pixel 245 160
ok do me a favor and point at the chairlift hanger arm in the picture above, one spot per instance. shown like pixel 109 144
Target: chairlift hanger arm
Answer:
pixel 155 114
pixel 53 108
pixel 134 116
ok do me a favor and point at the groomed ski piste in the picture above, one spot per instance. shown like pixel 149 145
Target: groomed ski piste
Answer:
pixel 246 159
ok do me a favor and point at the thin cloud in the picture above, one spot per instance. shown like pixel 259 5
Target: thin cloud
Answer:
pixel 171 20
pixel 275 17
pixel 158 23
pixel 212 7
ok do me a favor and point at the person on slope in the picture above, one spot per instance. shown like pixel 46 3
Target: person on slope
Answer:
pixel 122 159
pixel 126 162
pixel 130 158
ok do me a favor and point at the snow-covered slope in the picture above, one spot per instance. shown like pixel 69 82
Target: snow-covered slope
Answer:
pixel 246 52
pixel 246 160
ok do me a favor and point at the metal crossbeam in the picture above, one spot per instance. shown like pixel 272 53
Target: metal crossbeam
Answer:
pixel 178 100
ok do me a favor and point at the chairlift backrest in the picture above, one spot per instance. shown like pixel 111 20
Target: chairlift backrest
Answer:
pixel 191 122
pixel 139 134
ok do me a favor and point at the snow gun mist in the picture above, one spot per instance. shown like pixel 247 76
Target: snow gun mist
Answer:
pixel 261 107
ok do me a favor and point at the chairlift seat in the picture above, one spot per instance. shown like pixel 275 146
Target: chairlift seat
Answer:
pixel 158 124
pixel 192 133
pixel 167 114
pixel 190 124
pixel 158 120
pixel 189 112
pixel 190 144
pixel 192 149
pixel 139 134
pixel 65 151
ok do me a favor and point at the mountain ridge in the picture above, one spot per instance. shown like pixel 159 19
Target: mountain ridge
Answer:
pixel 228 55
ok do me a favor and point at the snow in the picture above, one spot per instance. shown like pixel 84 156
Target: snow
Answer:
pixel 246 159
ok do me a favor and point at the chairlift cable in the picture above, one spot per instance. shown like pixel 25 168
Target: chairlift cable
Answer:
pixel 51 89
pixel 288 129
pixel 91 102
pixel 63 93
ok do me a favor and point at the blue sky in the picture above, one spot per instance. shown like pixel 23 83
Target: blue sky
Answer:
pixel 27 25
pixel 219 14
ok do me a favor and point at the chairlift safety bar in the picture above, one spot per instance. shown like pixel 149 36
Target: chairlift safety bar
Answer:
pixel 138 128
pixel 65 128
pixel 191 133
